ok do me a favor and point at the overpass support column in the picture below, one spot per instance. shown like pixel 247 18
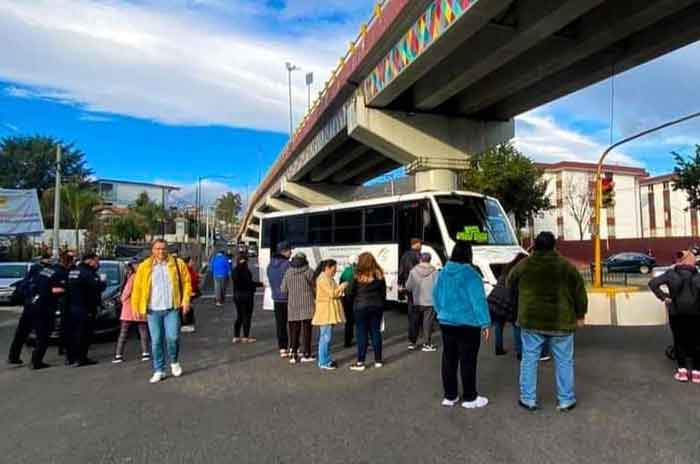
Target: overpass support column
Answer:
pixel 434 148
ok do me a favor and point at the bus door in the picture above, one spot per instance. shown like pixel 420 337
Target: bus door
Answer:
pixel 415 219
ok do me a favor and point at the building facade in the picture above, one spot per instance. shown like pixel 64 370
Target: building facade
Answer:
pixel 571 187
pixel 665 211
pixel 121 194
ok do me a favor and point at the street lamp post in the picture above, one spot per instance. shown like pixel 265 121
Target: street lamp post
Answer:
pixel 309 83
pixel 290 69
pixel 597 252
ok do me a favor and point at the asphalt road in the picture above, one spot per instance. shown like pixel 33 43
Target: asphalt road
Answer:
pixel 244 404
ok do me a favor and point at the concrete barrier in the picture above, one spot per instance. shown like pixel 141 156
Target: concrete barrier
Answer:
pixel 625 309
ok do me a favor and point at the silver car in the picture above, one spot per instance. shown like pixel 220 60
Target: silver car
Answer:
pixel 10 275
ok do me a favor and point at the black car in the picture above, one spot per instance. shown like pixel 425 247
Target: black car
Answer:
pixel 633 263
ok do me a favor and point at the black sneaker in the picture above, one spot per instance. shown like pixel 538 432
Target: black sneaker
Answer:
pixel 87 362
pixel 15 362
pixel 41 365
pixel 501 352
pixel 526 406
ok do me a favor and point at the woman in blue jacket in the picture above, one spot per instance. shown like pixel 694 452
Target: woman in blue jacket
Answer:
pixel 463 313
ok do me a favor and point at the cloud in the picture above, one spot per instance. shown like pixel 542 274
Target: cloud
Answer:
pixel 9 126
pixel 172 64
pixel 540 137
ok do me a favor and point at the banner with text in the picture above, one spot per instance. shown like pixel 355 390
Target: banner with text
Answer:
pixel 20 213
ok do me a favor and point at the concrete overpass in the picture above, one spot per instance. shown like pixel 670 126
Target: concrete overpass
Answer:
pixel 430 82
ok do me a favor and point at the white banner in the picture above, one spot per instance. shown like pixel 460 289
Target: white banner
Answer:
pixel 20 213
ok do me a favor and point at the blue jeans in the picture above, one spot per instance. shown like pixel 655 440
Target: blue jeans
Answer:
pixel 518 342
pixel 368 321
pixel 164 327
pixel 324 345
pixel 562 349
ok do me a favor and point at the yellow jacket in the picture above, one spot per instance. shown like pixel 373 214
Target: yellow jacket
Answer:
pixel 329 308
pixel 179 276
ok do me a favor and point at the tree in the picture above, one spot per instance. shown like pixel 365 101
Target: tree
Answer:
pixel 153 215
pixel 228 207
pixel 128 228
pixel 578 201
pixel 505 173
pixel 687 172
pixel 30 163
pixel 79 202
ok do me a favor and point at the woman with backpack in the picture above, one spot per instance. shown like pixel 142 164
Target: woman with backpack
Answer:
pixel 683 302
pixel 503 306
pixel 299 286
pixel 244 297
pixel 368 290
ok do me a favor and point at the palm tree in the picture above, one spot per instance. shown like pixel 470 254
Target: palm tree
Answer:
pixel 79 202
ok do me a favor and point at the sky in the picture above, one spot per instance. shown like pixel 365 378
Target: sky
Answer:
pixel 170 90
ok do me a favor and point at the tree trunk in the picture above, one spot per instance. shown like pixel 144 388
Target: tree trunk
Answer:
pixel 77 240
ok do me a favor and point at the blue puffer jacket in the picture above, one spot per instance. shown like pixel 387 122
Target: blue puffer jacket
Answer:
pixel 220 267
pixel 275 273
pixel 459 297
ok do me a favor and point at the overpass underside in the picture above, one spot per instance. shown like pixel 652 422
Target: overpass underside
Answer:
pixel 446 92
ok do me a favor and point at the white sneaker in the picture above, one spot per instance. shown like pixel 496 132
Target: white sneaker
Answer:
pixel 450 403
pixel 176 369
pixel 357 367
pixel 157 377
pixel 308 359
pixel 377 365
pixel 428 348
pixel 479 402
pixel 187 329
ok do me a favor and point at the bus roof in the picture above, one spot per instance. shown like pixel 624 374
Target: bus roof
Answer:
pixel 371 202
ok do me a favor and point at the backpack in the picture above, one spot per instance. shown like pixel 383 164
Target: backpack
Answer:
pixel 687 298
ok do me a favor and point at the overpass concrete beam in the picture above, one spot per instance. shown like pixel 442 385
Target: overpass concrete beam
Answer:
pixel 405 137
pixel 323 173
pixel 668 34
pixel 352 172
pixel 316 194
pixel 597 30
pixel 494 46
pixel 279 205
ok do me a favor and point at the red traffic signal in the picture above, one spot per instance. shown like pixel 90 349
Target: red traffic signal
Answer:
pixel 608 188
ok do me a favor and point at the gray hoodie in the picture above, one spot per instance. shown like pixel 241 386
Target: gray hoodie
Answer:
pixel 420 283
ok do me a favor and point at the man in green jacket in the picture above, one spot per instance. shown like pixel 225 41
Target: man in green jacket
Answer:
pixel 552 303
pixel 346 277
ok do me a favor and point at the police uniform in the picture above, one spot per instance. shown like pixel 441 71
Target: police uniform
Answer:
pixel 40 302
pixel 84 297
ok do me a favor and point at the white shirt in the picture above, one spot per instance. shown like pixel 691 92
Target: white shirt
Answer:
pixel 161 288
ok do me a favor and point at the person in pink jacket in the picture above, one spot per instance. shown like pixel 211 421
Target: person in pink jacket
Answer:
pixel 129 318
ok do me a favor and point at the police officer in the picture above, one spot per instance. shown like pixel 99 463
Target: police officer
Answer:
pixel 84 297
pixel 40 289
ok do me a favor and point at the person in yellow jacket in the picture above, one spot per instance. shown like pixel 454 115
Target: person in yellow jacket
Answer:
pixel 162 288
pixel 329 311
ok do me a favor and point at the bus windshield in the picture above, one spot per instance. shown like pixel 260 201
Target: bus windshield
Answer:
pixel 475 219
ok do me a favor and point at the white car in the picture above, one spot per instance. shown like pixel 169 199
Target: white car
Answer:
pixel 11 274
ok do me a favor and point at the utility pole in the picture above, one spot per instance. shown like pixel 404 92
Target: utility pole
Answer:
pixel 309 83
pixel 57 205
pixel 206 239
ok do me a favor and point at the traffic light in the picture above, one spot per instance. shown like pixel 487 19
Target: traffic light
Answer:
pixel 608 188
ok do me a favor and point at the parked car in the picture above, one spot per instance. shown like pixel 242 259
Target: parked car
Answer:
pixel 631 263
pixel 10 275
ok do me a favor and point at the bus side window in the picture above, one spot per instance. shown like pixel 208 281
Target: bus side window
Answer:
pixel 379 224
pixel 295 230
pixel 272 234
pixel 320 229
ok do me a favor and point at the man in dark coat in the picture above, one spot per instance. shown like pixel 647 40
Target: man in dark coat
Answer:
pixel 85 289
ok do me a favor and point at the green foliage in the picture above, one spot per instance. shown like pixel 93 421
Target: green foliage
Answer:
pixel 79 202
pixel 687 172
pixel 151 213
pixel 128 228
pixel 228 207
pixel 30 162
pixel 511 177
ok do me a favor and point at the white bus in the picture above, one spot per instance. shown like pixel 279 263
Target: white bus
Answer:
pixel 385 227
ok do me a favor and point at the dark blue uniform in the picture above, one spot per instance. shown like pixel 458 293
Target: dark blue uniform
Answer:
pixel 40 300
pixel 84 297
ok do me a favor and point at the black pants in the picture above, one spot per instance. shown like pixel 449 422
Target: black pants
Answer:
pixel 349 321
pixel 41 321
pixel 244 316
pixel 686 336
pixel 369 323
pixel 79 333
pixel 460 351
pixel 300 336
pixel 281 323
pixel 189 318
